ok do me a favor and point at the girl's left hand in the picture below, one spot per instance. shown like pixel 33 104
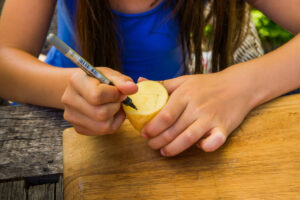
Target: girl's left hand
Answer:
pixel 202 109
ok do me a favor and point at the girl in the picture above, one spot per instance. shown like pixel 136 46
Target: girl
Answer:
pixel 154 39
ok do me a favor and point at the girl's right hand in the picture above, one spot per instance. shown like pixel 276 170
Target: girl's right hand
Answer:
pixel 94 108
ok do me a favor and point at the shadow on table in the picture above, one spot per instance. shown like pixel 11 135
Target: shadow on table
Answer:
pixel 3 102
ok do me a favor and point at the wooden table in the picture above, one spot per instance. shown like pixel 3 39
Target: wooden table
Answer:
pixel 260 160
pixel 31 153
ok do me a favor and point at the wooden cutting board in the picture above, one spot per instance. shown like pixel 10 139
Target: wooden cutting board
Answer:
pixel 261 160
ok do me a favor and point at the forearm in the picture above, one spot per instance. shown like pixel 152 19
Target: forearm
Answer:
pixel 25 79
pixel 271 75
pixel 285 13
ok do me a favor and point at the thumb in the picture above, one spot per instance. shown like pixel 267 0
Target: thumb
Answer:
pixel 172 84
pixel 124 83
pixel 142 79
pixel 216 139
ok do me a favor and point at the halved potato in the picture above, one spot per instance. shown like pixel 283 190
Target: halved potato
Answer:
pixel 149 100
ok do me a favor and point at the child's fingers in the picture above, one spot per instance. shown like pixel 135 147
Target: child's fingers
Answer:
pixel 118 120
pixel 185 120
pixel 94 127
pixel 166 117
pixel 92 90
pixel 97 113
pixel 189 137
pixel 172 84
pixel 124 83
pixel 216 139
pixel 81 129
pixel 140 79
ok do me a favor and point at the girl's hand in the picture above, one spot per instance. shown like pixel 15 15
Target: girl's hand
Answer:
pixel 202 109
pixel 93 108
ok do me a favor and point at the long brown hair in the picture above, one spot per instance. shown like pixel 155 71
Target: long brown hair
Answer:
pixel 98 35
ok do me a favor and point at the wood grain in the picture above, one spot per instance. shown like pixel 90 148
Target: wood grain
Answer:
pixel 30 141
pixel 261 160
pixel 22 190
pixel 13 190
pixel 45 191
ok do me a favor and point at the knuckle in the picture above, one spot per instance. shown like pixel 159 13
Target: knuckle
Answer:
pixel 149 132
pixel 152 145
pixel 67 116
pixel 104 69
pixel 74 79
pixel 199 110
pixel 64 99
pixel 166 117
pixel 127 78
pixel 102 114
pixel 80 130
pixel 115 95
pixel 106 128
pixel 167 137
pixel 94 97
pixel 189 137
pixel 187 94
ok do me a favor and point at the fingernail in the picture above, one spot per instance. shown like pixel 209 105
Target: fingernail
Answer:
pixel 129 83
pixel 140 79
pixel 144 135
pixel 162 152
pixel 123 97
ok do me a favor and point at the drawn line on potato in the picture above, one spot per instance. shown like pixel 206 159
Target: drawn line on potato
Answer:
pixel 149 100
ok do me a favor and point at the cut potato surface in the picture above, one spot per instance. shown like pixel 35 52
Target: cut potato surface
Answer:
pixel 149 100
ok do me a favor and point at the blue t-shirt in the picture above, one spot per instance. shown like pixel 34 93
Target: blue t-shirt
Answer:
pixel 149 41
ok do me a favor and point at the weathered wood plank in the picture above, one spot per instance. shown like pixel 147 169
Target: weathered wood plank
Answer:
pixel 14 190
pixel 30 141
pixel 47 191
pixel 59 189
pixel 39 192
pixel 22 190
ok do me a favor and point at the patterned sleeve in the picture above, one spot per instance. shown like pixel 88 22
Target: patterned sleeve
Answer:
pixel 250 48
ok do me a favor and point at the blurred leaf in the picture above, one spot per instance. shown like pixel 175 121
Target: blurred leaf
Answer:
pixel 269 32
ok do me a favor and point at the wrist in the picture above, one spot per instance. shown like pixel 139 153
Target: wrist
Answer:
pixel 246 82
pixel 51 82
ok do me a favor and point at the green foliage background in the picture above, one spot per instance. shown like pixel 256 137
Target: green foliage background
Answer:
pixel 271 35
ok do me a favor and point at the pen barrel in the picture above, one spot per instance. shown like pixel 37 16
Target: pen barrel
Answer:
pixel 86 66
pixel 82 63
pixel 77 59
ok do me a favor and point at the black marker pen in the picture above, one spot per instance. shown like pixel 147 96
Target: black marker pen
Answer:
pixel 82 64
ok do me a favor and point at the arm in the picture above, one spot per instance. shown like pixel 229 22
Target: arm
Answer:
pixel 205 109
pixel 284 13
pixel 93 108
pixel 23 78
pixel 274 74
